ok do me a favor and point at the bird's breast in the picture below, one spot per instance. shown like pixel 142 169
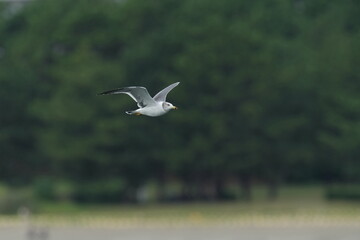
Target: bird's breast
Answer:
pixel 153 111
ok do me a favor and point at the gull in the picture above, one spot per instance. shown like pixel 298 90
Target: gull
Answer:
pixel 149 106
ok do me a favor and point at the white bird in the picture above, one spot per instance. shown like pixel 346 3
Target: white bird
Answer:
pixel 148 106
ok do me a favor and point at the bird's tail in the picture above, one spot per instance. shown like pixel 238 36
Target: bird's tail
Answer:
pixel 130 112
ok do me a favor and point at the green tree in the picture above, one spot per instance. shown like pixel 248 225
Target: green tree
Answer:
pixel 268 93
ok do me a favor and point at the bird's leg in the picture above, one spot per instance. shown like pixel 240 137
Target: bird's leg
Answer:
pixel 137 114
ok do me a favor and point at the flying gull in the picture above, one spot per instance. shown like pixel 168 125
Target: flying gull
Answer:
pixel 148 106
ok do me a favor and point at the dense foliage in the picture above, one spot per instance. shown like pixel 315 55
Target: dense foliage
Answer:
pixel 269 93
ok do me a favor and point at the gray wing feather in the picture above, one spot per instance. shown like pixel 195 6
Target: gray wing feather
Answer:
pixel 139 94
pixel 161 96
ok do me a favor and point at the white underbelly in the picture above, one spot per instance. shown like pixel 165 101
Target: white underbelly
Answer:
pixel 152 111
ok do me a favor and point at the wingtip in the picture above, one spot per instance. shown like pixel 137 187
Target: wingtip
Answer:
pixel 110 91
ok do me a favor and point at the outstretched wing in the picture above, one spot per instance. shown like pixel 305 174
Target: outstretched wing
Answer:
pixel 139 94
pixel 161 96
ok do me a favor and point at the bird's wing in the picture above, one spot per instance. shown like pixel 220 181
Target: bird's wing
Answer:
pixel 139 94
pixel 161 96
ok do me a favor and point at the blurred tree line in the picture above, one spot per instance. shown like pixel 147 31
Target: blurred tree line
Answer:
pixel 269 93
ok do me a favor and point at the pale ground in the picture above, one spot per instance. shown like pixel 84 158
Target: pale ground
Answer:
pixel 298 217
pixel 187 233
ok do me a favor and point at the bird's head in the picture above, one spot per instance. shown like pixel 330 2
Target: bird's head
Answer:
pixel 168 106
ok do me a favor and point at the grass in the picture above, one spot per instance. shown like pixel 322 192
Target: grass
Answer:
pixel 296 205
pixel 289 198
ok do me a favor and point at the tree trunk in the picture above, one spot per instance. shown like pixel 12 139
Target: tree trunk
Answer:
pixel 185 194
pixel 161 191
pixel 273 190
pixel 219 189
pixel 245 182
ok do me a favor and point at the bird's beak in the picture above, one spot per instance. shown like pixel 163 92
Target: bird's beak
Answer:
pixel 175 108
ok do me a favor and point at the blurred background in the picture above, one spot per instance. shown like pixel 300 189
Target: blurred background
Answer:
pixel 267 132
